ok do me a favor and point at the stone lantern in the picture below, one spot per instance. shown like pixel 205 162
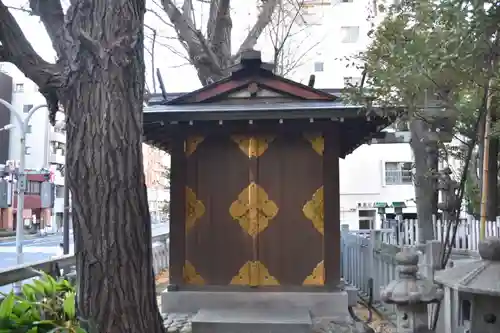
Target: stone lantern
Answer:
pixel 472 292
pixel 410 294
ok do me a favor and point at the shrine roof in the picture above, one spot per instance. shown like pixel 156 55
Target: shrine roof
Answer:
pixel 254 111
pixel 252 92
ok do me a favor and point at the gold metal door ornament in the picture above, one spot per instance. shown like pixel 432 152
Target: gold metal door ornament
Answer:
pixel 314 210
pixel 253 209
pixel 254 273
pixel 317 277
pixel 192 143
pixel 191 276
pixel 252 146
pixel 317 142
pixel 195 209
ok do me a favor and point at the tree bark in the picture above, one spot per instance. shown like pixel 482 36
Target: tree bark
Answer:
pixel 491 204
pixel 211 55
pixel 103 103
pixel 425 191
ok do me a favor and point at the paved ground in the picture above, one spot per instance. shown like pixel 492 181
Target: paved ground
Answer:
pixel 42 248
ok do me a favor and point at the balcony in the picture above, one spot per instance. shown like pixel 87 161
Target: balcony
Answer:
pixel 57 157
pixel 57 136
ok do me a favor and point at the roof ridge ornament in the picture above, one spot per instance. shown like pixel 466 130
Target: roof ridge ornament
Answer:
pixel 251 60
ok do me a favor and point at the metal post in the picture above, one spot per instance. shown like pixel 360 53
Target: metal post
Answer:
pixel 21 188
pixel 21 183
pixel 66 214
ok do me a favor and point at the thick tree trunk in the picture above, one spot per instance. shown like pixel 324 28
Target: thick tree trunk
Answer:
pixel 111 219
pixel 425 192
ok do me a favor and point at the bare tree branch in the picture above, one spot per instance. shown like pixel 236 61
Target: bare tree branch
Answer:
pixel 52 16
pixel 168 47
pixel 200 54
pixel 219 27
pixel 152 55
pixel 18 50
pixel 263 19
pixel 187 9
pixel 159 17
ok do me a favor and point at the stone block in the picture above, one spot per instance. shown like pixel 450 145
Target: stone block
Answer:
pixel 319 304
pixel 252 321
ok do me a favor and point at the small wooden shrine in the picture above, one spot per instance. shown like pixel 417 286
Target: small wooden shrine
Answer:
pixel 255 181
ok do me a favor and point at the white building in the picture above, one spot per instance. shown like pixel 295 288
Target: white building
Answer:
pixel 372 173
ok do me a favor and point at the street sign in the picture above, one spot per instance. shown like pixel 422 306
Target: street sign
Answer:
pixel 47 195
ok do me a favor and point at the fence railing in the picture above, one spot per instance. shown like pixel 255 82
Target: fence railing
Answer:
pixel 467 236
pixel 368 256
pixel 66 263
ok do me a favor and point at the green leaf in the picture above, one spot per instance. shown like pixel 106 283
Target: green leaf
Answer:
pixel 69 305
pixel 39 287
pixel 29 292
pixel 50 285
pixel 7 306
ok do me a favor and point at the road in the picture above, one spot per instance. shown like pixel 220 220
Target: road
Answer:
pixel 43 248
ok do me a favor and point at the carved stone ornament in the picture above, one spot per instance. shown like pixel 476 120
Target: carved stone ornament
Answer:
pixel 408 288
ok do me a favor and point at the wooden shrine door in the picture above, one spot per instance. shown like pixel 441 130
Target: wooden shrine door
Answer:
pixel 254 211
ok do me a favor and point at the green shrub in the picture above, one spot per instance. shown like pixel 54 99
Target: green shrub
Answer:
pixel 45 305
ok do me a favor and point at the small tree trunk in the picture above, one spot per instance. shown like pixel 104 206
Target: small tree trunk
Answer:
pixel 425 192
pixel 491 204
pixel 116 290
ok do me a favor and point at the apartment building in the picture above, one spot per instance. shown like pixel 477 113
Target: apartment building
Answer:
pixel 376 173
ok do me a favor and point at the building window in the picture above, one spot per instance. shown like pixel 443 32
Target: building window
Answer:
pixel 319 66
pixel 27 108
pixel 398 173
pixel 366 219
pixel 350 81
pixel 29 129
pixel 19 87
pixel 33 187
pixel 27 150
pixel 350 34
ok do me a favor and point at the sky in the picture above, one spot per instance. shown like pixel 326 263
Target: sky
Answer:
pixel 170 57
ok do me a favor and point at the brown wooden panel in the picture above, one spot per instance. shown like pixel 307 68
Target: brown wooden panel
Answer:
pixel 216 246
pixel 290 171
pixel 332 209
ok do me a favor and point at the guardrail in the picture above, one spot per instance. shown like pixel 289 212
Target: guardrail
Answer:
pixel 66 263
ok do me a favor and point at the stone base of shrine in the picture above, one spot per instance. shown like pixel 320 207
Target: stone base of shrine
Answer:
pixel 319 304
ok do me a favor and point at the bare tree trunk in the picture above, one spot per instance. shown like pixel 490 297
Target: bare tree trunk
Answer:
pixel 104 126
pixel 425 191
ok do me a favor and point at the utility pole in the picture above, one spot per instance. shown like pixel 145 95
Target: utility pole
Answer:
pixel 66 213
